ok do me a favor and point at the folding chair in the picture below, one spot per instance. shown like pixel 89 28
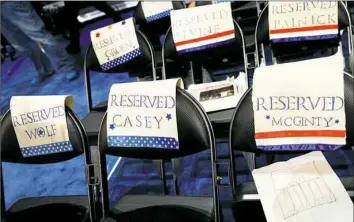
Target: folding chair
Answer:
pixel 156 28
pixel 49 208
pixel 242 139
pixel 295 51
pixel 195 135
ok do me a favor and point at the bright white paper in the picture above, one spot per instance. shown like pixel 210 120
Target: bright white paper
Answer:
pixel 302 20
pixel 115 44
pixel 300 105
pixel 156 10
pixel 303 189
pixel 143 114
pixel 221 96
pixel 203 27
pixel 40 124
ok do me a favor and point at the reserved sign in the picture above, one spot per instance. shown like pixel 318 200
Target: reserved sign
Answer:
pixel 203 27
pixel 305 20
pixel 115 44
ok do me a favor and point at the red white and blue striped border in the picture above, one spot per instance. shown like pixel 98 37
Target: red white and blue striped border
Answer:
pixel 300 147
pixel 143 141
pixel 197 44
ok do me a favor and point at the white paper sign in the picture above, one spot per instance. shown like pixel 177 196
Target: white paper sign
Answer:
pixel 156 10
pixel 302 20
pixel 115 44
pixel 303 189
pixel 220 95
pixel 143 114
pixel 305 109
pixel 40 124
pixel 203 27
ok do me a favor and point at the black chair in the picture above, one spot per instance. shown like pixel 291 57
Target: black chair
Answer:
pixel 242 139
pixel 223 57
pixel 49 208
pixel 155 29
pixel 137 66
pixel 195 135
pixel 295 51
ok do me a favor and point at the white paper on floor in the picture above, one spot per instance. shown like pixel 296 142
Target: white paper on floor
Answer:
pixel 303 189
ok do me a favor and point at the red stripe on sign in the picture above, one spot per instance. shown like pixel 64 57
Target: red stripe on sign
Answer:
pixel 297 133
pixel 304 29
pixel 217 35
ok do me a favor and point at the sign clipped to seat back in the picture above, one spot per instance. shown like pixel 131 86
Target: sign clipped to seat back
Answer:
pixel 303 20
pixel 305 109
pixel 115 44
pixel 203 27
pixel 40 124
pixel 143 114
pixel 156 10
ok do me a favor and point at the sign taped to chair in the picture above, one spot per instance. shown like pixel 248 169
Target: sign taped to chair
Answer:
pixel 304 188
pixel 305 109
pixel 40 124
pixel 203 27
pixel 302 20
pixel 115 44
pixel 143 114
pixel 156 10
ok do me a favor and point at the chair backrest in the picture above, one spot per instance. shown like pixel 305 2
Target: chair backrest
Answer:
pixel 138 65
pixel 218 57
pixel 195 134
pixel 158 26
pixel 10 149
pixel 295 51
pixel 242 125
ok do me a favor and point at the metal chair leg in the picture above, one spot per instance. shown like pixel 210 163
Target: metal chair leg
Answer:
pixel 175 169
pixel 160 165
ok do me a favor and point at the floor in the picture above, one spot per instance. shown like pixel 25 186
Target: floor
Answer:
pixel 126 176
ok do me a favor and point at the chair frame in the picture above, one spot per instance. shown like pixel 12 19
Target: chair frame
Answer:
pixel 87 71
pixel 90 179
pixel 260 59
pixel 215 178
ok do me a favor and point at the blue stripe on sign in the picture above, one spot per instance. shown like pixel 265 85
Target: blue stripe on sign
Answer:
pixel 203 47
pixel 158 16
pixel 305 38
pixel 46 149
pixel 299 147
pixel 120 60
pixel 142 141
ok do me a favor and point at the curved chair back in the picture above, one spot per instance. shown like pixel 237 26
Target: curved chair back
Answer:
pixel 10 149
pixel 219 57
pixel 242 130
pixel 284 52
pixel 138 65
pixel 195 134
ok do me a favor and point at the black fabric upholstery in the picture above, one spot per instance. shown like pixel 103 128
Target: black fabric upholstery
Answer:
pixel 194 133
pixel 262 29
pixel 233 51
pixel 10 149
pixel 136 65
pixel 161 24
pixel 204 205
pixel 242 126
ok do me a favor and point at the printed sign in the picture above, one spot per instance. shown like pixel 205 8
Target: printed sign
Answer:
pixel 143 114
pixel 40 124
pixel 203 27
pixel 156 10
pixel 222 1
pixel 303 110
pixel 115 44
pixel 304 188
pixel 302 20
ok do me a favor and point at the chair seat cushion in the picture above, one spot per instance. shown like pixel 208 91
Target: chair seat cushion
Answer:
pixel 63 208
pixel 202 205
pixel 248 190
